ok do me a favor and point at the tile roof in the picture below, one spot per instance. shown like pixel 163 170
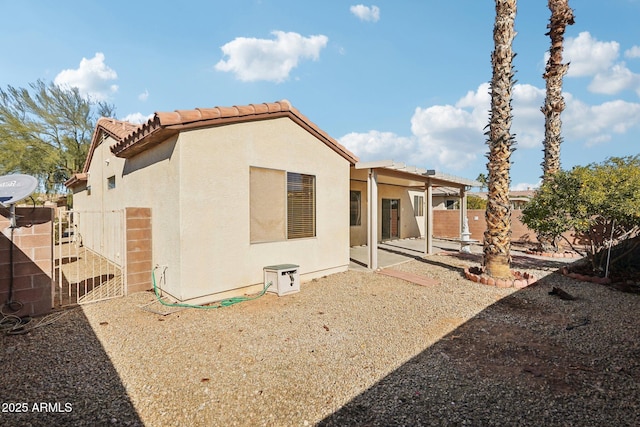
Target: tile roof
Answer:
pixel 117 129
pixel 513 194
pixel 166 124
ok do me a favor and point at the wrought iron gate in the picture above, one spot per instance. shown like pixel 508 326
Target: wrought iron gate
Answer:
pixel 89 257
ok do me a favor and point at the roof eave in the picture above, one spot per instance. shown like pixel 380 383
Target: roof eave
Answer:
pixel 76 180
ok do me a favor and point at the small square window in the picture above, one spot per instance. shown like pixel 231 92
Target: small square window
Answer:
pixel 111 182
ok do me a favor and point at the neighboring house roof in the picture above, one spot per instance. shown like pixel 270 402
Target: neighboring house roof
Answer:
pixel 164 125
pixel 513 195
pixel 76 179
pixel 117 129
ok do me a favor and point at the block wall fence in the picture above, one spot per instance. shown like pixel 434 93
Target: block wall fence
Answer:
pixel 29 258
pixel 446 224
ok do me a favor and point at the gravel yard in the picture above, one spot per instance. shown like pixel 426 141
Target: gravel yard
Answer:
pixel 351 349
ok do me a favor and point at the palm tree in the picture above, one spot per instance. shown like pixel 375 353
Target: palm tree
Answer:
pixel 561 16
pixel 497 237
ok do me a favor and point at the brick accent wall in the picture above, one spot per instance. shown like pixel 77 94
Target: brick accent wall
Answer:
pixel 139 249
pixel 32 260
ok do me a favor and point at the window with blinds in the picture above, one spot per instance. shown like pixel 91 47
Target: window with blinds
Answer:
pixel 267 205
pixel 301 205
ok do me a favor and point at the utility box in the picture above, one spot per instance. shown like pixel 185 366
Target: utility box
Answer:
pixel 284 279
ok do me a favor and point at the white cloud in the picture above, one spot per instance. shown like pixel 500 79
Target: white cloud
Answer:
pixel 523 186
pixel 144 95
pixel 366 13
pixel 451 137
pixel 615 80
pixel 634 52
pixel 379 145
pixel 93 78
pixel 595 124
pixel 589 56
pixel 528 120
pixel 252 59
pixel 136 118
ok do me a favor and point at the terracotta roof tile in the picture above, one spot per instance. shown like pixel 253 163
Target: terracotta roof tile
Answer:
pixel 116 128
pixel 76 179
pixel 166 124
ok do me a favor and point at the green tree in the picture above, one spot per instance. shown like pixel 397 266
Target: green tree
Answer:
pixel 598 202
pixel 497 237
pixel 482 179
pixel 46 131
pixel 475 202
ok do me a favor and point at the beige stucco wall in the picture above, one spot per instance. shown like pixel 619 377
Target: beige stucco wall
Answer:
pixel 149 180
pixel 197 186
pixel 215 192
pixel 97 217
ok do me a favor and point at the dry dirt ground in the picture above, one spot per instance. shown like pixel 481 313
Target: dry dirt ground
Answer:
pixel 529 359
pixel 351 349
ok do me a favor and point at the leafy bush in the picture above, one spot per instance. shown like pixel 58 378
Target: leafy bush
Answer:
pixel 599 202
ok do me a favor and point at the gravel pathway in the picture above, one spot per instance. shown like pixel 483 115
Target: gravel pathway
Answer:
pixel 353 348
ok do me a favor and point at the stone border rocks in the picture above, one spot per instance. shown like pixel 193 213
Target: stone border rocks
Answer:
pixel 520 280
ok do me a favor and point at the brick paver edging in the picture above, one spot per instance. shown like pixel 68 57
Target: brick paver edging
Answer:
pixel 585 278
pixel 520 280
pixel 565 254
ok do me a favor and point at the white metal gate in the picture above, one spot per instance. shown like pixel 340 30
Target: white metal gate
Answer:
pixel 89 253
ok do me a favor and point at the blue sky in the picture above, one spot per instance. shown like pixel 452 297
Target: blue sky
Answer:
pixel 403 80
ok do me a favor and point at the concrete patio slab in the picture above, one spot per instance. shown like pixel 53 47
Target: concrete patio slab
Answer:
pixel 395 252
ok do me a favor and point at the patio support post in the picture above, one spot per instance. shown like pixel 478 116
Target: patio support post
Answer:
pixel 372 219
pixel 463 208
pixel 428 218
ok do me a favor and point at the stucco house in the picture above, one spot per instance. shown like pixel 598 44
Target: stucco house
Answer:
pixel 234 189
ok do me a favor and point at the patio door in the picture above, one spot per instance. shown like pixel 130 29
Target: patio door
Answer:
pixel 390 219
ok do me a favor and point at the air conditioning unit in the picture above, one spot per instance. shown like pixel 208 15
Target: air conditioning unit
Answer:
pixel 282 279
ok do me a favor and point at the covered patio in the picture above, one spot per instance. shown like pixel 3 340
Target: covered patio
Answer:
pixel 387 196
pixel 390 253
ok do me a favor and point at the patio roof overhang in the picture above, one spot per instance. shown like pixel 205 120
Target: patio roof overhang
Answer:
pixel 391 172
pixel 394 173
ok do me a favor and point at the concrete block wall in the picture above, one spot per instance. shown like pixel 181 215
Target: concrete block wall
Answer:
pixel 32 260
pixel 446 224
pixel 139 250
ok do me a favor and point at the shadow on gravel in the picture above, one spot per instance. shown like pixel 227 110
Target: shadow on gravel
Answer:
pixel 530 359
pixel 60 375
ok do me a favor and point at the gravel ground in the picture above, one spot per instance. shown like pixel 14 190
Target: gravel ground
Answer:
pixel 353 348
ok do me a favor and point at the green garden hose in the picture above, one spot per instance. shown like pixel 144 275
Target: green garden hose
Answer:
pixel 223 303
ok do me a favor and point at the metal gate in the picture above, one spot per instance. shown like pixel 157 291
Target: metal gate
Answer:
pixel 89 257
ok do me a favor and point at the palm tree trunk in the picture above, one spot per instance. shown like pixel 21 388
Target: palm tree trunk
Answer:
pixel 561 16
pixel 497 237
